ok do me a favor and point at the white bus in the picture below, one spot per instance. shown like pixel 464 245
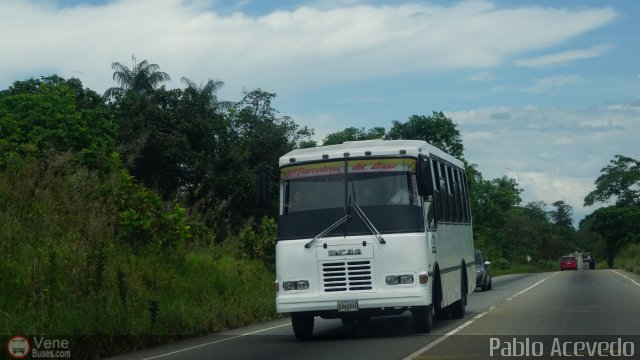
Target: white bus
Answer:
pixel 373 228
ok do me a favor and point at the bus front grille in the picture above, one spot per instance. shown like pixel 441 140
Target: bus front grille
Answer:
pixel 347 276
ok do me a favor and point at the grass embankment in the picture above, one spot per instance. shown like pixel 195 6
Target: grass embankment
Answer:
pixel 79 259
pixel 531 267
pixel 629 258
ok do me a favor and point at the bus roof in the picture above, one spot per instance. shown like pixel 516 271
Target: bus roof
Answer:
pixel 361 148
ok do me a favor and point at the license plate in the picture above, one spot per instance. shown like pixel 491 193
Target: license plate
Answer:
pixel 347 305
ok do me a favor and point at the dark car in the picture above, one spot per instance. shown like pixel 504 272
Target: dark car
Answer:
pixel 483 273
pixel 568 263
pixel 588 258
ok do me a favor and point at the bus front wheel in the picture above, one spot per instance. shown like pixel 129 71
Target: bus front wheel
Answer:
pixel 422 318
pixel 302 325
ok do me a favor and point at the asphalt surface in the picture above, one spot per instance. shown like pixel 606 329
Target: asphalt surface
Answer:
pixel 546 315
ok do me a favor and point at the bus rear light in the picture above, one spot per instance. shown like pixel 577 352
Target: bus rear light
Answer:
pixel 276 286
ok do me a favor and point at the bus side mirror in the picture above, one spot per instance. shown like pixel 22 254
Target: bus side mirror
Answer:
pixel 262 188
pixel 425 180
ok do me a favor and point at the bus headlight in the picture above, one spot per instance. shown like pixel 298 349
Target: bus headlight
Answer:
pixel 406 279
pixel 295 285
pixel 399 279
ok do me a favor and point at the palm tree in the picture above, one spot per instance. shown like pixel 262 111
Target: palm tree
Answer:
pixel 208 93
pixel 143 78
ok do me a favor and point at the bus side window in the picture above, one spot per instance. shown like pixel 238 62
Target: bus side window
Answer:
pixel 458 195
pixel 428 179
pixel 426 176
pixel 465 186
pixel 464 198
pixel 438 190
pixel 444 193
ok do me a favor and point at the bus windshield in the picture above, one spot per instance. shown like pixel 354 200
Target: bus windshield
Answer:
pixel 313 196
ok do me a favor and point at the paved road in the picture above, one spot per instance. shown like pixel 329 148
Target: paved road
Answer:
pixel 546 309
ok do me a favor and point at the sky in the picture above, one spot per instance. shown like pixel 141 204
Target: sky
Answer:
pixel 545 92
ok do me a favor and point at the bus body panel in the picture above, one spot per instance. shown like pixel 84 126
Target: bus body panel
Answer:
pixel 451 255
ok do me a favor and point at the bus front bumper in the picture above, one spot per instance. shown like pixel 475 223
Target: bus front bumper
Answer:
pixel 314 302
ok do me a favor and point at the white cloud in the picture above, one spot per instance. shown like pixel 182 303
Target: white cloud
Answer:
pixel 551 188
pixel 483 76
pixel 553 82
pixel 283 49
pixel 323 124
pixel 565 57
pixel 554 154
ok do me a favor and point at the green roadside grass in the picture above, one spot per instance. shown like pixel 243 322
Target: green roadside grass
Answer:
pixel 137 301
pixel 523 268
pixel 629 258
pixel 88 260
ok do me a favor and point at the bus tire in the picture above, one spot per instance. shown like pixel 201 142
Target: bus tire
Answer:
pixel 348 320
pixel 422 318
pixel 302 325
pixel 458 307
pixel 439 312
pixel 364 320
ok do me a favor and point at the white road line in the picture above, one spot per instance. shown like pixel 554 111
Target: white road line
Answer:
pixel 532 286
pixel 215 342
pixel 626 277
pixel 474 319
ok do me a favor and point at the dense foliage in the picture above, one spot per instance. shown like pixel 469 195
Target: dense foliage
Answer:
pixel 618 224
pixel 134 216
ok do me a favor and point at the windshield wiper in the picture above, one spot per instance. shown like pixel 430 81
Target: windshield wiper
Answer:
pixel 327 230
pixel 368 222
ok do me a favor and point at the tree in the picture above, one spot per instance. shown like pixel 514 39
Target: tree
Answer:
pixel 142 78
pixel 51 114
pixel 506 193
pixel 258 136
pixel 172 141
pixel 620 181
pixel 354 134
pixel 536 210
pixel 437 129
pixel 207 93
pixel 561 216
pixel 306 144
pixel 491 201
pixel 618 225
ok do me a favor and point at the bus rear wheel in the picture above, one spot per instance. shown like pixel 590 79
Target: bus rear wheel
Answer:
pixel 458 308
pixel 302 325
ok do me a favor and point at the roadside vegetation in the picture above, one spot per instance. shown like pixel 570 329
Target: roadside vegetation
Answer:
pixel 529 267
pixel 133 213
pixel 629 258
